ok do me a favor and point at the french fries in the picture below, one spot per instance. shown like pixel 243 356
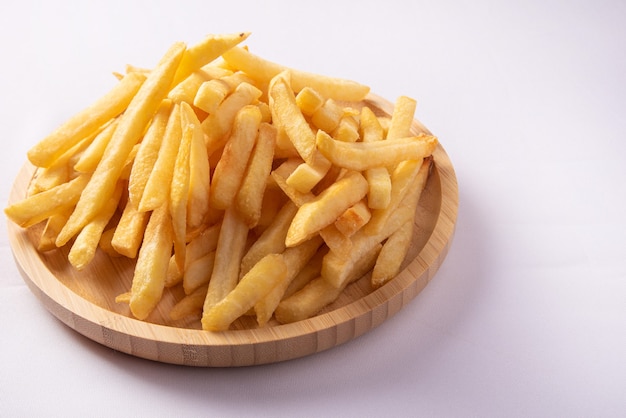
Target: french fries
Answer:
pixel 255 188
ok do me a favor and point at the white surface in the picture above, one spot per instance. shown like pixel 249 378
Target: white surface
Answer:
pixel 527 316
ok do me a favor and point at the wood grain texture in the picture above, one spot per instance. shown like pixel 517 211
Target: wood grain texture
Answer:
pixel 84 300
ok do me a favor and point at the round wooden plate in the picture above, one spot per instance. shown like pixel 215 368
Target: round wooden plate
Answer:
pixel 85 300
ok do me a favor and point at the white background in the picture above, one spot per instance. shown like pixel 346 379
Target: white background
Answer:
pixel 527 316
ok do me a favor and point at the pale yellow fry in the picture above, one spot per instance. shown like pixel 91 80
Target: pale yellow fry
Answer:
pixel 230 169
pixel 218 124
pixel 205 51
pixel 86 121
pixel 186 90
pixel 287 116
pixel 295 259
pixel 199 173
pixel 392 255
pixel 198 273
pixel 402 118
pixel 86 243
pixel 203 244
pixel 297 197
pixel 151 268
pixel 157 189
pixel 319 293
pixel 48 178
pixel 264 70
pixel 189 305
pixel 307 175
pixel 327 117
pixel 259 281
pixel 92 155
pixel 148 153
pixel 230 248
pixel 179 193
pixel 129 231
pixel 272 240
pixel 131 126
pixel 361 156
pixel 354 218
pixel 249 199
pixel 309 100
pixel 41 206
pixel 326 207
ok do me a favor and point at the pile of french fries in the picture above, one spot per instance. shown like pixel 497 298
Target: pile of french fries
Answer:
pixel 260 189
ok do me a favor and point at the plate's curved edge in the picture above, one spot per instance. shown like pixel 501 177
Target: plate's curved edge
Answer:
pixel 226 349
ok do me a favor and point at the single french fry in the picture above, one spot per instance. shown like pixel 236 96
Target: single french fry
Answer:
pixel 402 118
pixel 199 173
pixel 327 117
pixel 131 126
pixel 86 121
pixel 157 189
pixel 392 255
pixel 179 193
pixel 151 268
pixel 287 116
pixel 84 247
pixel 41 206
pixel 319 293
pixel 295 258
pixel 189 305
pixel 308 100
pixel 148 153
pixel 228 254
pixel 249 199
pixel 205 51
pixel 230 169
pixel 347 130
pixel 198 272
pixel 128 234
pixel 218 124
pixel 361 156
pixel 264 70
pixel 259 281
pixel 324 209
